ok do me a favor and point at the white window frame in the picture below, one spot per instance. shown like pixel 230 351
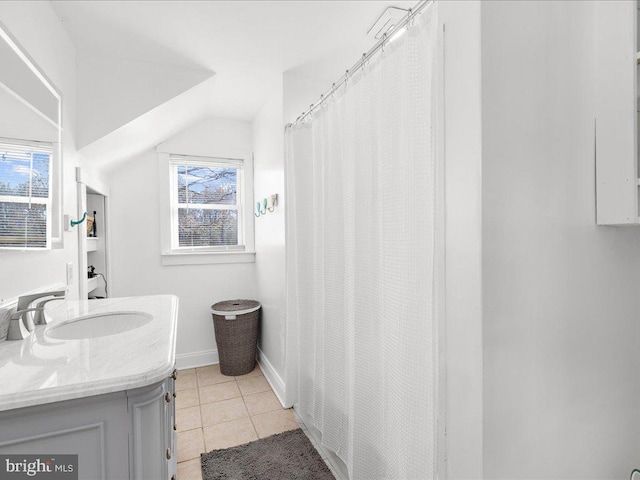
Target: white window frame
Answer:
pixel 171 253
pixel 48 202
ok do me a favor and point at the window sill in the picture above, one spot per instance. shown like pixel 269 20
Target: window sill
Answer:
pixel 207 258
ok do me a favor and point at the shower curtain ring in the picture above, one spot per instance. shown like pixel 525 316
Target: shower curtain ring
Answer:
pixel 333 89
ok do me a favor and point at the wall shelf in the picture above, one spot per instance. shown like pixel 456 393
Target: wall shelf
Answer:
pixel 96 246
pixel 92 244
pixel 92 284
pixel 93 195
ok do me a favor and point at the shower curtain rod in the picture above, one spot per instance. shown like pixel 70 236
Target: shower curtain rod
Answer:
pixel 412 12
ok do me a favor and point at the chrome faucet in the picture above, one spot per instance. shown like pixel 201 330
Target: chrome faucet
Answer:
pixel 18 324
pixel 39 317
pixel 21 324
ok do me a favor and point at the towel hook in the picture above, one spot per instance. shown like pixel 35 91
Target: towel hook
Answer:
pixel 78 222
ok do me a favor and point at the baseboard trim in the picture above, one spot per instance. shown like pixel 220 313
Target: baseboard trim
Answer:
pixel 337 466
pixel 210 357
pixel 197 359
pixel 277 385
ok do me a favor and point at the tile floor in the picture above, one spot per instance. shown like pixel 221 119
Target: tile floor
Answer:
pixel 215 411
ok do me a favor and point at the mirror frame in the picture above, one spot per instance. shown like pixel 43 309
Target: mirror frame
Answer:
pixel 57 227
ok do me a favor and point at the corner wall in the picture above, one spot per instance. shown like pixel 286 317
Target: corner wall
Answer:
pixel 268 144
pixel 136 248
pixel 560 294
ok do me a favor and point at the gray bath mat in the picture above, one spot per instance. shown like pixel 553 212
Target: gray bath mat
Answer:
pixel 288 455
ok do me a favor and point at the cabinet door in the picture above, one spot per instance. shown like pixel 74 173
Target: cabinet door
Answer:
pixel 151 449
pixel 616 113
pixel 94 428
pixel 170 412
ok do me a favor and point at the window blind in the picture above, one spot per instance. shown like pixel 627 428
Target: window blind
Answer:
pixel 206 203
pixel 25 194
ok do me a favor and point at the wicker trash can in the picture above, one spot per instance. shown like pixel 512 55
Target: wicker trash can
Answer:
pixel 236 325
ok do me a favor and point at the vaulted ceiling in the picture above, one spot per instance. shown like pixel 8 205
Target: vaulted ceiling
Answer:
pixel 148 69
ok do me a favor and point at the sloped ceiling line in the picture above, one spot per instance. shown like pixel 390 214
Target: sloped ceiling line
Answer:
pixel 113 92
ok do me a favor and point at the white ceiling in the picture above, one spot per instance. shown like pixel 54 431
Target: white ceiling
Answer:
pixel 246 43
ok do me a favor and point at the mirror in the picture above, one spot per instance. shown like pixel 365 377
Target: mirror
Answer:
pixel 30 152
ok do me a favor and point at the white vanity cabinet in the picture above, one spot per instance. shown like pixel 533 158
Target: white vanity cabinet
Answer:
pixel 104 394
pixel 152 452
pixel 120 435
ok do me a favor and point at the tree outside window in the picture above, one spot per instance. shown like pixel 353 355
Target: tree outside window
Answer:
pixel 25 195
pixel 207 204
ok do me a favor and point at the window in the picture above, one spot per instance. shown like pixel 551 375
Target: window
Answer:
pixel 205 204
pixel 207 208
pixel 25 194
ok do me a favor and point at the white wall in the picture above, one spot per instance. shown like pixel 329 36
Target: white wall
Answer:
pixel 39 31
pixel 114 91
pixel 560 294
pixel 20 122
pixel 268 145
pixel 303 86
pixel 463 220
pixel 135 243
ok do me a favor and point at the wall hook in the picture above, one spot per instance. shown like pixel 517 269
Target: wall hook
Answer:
pixel 261 208
pixel 266 205
pixel 273 201
pixel 78 222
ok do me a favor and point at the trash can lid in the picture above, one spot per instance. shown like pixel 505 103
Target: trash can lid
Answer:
pixel 235 307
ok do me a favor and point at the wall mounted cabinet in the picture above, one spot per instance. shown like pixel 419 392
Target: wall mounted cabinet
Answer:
pixel 93 195
pixel 616 108
pixel 96 251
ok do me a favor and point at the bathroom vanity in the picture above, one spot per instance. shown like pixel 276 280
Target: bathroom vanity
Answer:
pixel 97 381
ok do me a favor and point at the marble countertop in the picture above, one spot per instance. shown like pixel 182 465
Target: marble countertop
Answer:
pixel 41 369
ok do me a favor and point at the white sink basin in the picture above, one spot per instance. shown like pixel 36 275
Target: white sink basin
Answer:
pixel 98 325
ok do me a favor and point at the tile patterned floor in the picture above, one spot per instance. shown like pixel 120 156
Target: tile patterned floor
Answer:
pixel 215 411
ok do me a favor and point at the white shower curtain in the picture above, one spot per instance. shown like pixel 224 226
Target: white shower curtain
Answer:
pixel 361 264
